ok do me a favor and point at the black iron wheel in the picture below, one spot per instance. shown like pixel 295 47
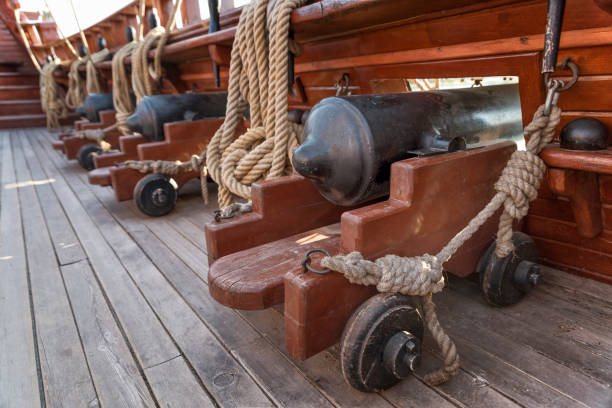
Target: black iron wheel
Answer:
pixel 504 281
pixel 155 195
pixel 86 154
pixel 381 343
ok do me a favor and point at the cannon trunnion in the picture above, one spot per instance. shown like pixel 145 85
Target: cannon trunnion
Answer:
pixel 154 111
pixel 349 143
pixel 94 104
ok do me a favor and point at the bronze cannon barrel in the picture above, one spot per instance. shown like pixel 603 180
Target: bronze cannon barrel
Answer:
pixel 154 111
pixel 93 105
pixel 349 143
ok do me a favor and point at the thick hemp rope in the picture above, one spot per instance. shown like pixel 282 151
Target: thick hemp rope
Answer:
pixel 92 83
pixel 142 73
pixel 95 135
pixel 52 102
pixel 422 275
pixel 76 94
pixel 173 168
pixel 122 100
pixel 257 78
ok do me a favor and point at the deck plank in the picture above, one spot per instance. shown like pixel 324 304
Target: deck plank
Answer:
pixel 19 382
pixel 285 385
pixel 145 332
pixel 534 323
pixel 179 391
pixel 115 372
pixel 520 345
pixel 65 374
pixel 67 246
pixel 208 357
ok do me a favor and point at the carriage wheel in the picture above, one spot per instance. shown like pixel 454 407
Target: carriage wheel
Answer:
pixel 155 195
pixel 504 281
pixel 381 343
pixel 86 154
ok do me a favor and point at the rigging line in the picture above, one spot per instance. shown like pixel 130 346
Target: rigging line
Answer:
pixel 61 33
pixel 140 19
pixel 26 42
pixel 83 38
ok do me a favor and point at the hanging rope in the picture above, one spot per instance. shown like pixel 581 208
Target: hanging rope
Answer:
pixel 81 33
pixel 142 73
pixel 122 100
pixel 76 94
pixel 92 82
pixel 52 103
pixel 61 33
pixel 422 275
pixel 258 78
pixel 174 168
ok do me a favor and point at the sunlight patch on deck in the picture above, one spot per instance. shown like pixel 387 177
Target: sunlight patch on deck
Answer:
pixel 28 183
pixel 311 238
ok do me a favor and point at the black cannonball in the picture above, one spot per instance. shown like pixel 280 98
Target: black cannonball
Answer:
pixel 584 134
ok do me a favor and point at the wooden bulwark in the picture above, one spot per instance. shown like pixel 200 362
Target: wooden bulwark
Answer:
pixel 110 307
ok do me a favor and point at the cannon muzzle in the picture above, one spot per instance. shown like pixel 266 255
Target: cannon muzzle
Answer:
pixel 349 143
pixel 132 123
pixel 154 111
pixel 93 104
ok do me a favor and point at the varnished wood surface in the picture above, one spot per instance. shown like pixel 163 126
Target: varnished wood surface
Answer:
pixel 103 306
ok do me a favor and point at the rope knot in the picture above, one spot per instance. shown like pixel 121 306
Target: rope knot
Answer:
pixel 520 181
pixel 412 276
pixel 415 276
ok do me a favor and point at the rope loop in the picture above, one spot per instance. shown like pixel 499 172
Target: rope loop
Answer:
pixel 520 181
pixel 410 276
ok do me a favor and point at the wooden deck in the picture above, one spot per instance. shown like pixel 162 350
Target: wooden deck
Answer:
pixel 102 306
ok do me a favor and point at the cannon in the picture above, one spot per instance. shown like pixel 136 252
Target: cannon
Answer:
pixel 349 143
pixel 93 104
pixel 154 111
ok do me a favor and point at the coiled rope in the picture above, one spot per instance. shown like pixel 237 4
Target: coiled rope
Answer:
pixel 257 78
pixel 122 100
pixel 76 94
pixel 142 73
pixel 92 83
pixel 422 275
pixel 50 98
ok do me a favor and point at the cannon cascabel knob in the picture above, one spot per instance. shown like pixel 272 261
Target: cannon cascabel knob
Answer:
pixel 584 134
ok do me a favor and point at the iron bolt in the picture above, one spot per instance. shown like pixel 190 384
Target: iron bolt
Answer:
pixel 534 275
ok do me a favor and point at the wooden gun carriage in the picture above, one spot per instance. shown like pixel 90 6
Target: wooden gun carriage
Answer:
pixel 161 136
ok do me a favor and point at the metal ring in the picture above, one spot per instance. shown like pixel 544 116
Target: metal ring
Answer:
pixel 306 261
pixel 551 95
pixel 343 88
pixel 565 64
